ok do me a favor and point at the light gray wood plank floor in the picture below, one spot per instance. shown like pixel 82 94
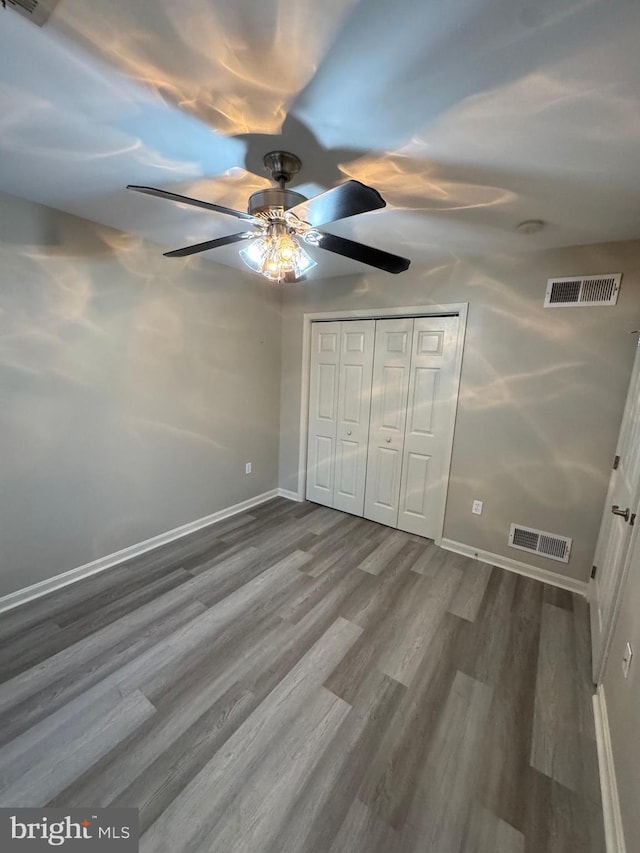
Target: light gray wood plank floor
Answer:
pixel 297 680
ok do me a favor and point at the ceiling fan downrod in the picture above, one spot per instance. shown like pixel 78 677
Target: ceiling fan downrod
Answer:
pixel 282 166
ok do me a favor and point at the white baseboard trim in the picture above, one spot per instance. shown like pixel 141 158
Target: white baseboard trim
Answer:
pixel 613 830
pixel 289 495
pixel 510 565
pixel 36 590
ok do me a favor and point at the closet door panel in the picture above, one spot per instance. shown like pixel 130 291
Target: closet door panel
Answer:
pixel 326 393
pixel 391 363
pixel 354 399
pixel 323 411
pixel 386 465
pixel 415 476
pixel 323 462
pixel 429 423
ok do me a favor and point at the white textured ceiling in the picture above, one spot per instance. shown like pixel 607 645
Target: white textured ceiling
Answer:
pixel 469 116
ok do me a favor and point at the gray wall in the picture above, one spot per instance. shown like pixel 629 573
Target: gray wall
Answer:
pixel 133 388
pixel 542 390
pixel 623 703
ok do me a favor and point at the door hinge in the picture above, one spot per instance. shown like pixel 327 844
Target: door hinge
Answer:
pixel 594 569
pixel 616 462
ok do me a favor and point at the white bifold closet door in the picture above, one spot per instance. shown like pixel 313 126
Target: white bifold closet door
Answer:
pixel 381 413
pixel 391 368
pixel 339 397
pixel 429 426
pixel 323 411
pixel 352 432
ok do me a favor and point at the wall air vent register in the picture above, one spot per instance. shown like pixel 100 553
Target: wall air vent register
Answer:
pixel 582 291
pixel 38 11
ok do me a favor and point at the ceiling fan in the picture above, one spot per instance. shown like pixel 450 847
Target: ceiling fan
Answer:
pixel 282 219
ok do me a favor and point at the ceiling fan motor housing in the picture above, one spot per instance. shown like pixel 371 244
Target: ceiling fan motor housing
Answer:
pixel 274 197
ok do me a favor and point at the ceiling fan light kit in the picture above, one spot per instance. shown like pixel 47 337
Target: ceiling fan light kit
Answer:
pixel 278 256
pixel 283 218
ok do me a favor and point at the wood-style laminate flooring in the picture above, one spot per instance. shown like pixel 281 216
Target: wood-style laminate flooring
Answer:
pixel 297 680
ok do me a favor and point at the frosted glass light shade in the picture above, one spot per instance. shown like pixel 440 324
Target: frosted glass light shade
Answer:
pixel 278 256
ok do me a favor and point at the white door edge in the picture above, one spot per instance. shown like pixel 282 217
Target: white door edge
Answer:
pixel 613 828
pixel 602 634
pixel 601 649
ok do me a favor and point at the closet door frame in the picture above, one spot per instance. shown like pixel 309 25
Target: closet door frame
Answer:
pixel 457 308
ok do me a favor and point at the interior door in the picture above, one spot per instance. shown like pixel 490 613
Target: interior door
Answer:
pixel 391 363
pixel 615 531
pixel 430 417
pixel 354 398
pixel 323 411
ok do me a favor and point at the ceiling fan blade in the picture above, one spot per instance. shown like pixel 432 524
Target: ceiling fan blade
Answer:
pixel 342 201
pixel 211 244
pixel 195 202
pixel 365 254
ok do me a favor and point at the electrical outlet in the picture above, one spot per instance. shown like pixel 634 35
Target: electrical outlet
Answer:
pixel 247 468
pixel 626 659
pixel 476 507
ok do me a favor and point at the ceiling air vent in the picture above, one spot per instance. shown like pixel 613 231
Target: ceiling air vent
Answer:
pixel 38 11
pixel 582 291
pixel 540 542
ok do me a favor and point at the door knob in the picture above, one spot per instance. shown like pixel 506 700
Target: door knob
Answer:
pixel 348 432
pixel 615 509
pixel 388 440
